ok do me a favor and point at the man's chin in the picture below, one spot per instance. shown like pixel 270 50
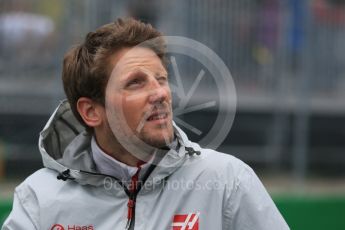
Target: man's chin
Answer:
pixel 157 140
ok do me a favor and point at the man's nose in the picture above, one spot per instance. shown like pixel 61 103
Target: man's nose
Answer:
pixel 157 93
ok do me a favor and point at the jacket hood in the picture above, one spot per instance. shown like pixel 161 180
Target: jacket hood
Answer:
pixel 65 145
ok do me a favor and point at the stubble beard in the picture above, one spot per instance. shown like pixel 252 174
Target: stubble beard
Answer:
pixel 158 138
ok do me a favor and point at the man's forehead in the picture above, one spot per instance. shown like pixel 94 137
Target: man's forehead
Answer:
pixel 137 58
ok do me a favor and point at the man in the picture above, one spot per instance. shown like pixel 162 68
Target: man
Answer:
pixel 114 159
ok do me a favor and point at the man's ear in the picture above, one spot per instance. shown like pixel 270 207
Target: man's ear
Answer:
pixel 90 111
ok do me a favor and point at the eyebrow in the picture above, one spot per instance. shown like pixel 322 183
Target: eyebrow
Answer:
pixel 140 71
pixel 161 73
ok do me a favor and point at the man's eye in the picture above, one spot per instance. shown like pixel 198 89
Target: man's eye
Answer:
pixel 162 80
pixel 134 82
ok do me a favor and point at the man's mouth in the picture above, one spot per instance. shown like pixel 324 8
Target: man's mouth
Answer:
pixel 157 116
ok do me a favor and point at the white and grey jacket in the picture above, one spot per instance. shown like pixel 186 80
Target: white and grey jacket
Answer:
pixel 190 188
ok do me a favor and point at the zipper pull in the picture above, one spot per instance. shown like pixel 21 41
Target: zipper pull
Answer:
pixel 133 187
pixel 130 205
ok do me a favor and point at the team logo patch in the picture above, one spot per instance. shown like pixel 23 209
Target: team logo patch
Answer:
pixel 72 227
pixel 186 221
pixel 57 227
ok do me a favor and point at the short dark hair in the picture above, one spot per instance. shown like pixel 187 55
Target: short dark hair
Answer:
pixel 86 67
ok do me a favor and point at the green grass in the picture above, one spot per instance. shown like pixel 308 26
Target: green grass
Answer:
pixel 5 208
pixel 313 213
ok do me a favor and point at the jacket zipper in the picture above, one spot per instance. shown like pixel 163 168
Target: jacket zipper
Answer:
pixel 134 189
pixel 132 196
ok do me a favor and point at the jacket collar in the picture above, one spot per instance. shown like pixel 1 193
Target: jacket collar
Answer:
pixel 65 145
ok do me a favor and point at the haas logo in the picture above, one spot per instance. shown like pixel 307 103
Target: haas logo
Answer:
pixel 57 227
pixel 72 227
pixel 186 222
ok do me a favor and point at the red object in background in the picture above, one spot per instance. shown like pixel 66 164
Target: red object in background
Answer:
pixel 327 12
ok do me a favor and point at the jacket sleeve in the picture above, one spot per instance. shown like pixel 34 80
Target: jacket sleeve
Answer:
pixel 250 207
pixel 22 214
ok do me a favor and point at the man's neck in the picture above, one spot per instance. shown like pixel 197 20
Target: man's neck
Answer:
pixel 115 150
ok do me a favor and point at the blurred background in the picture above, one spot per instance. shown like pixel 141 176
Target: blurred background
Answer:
pixel 287 59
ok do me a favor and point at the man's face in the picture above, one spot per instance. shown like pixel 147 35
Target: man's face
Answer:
pixel 138 97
